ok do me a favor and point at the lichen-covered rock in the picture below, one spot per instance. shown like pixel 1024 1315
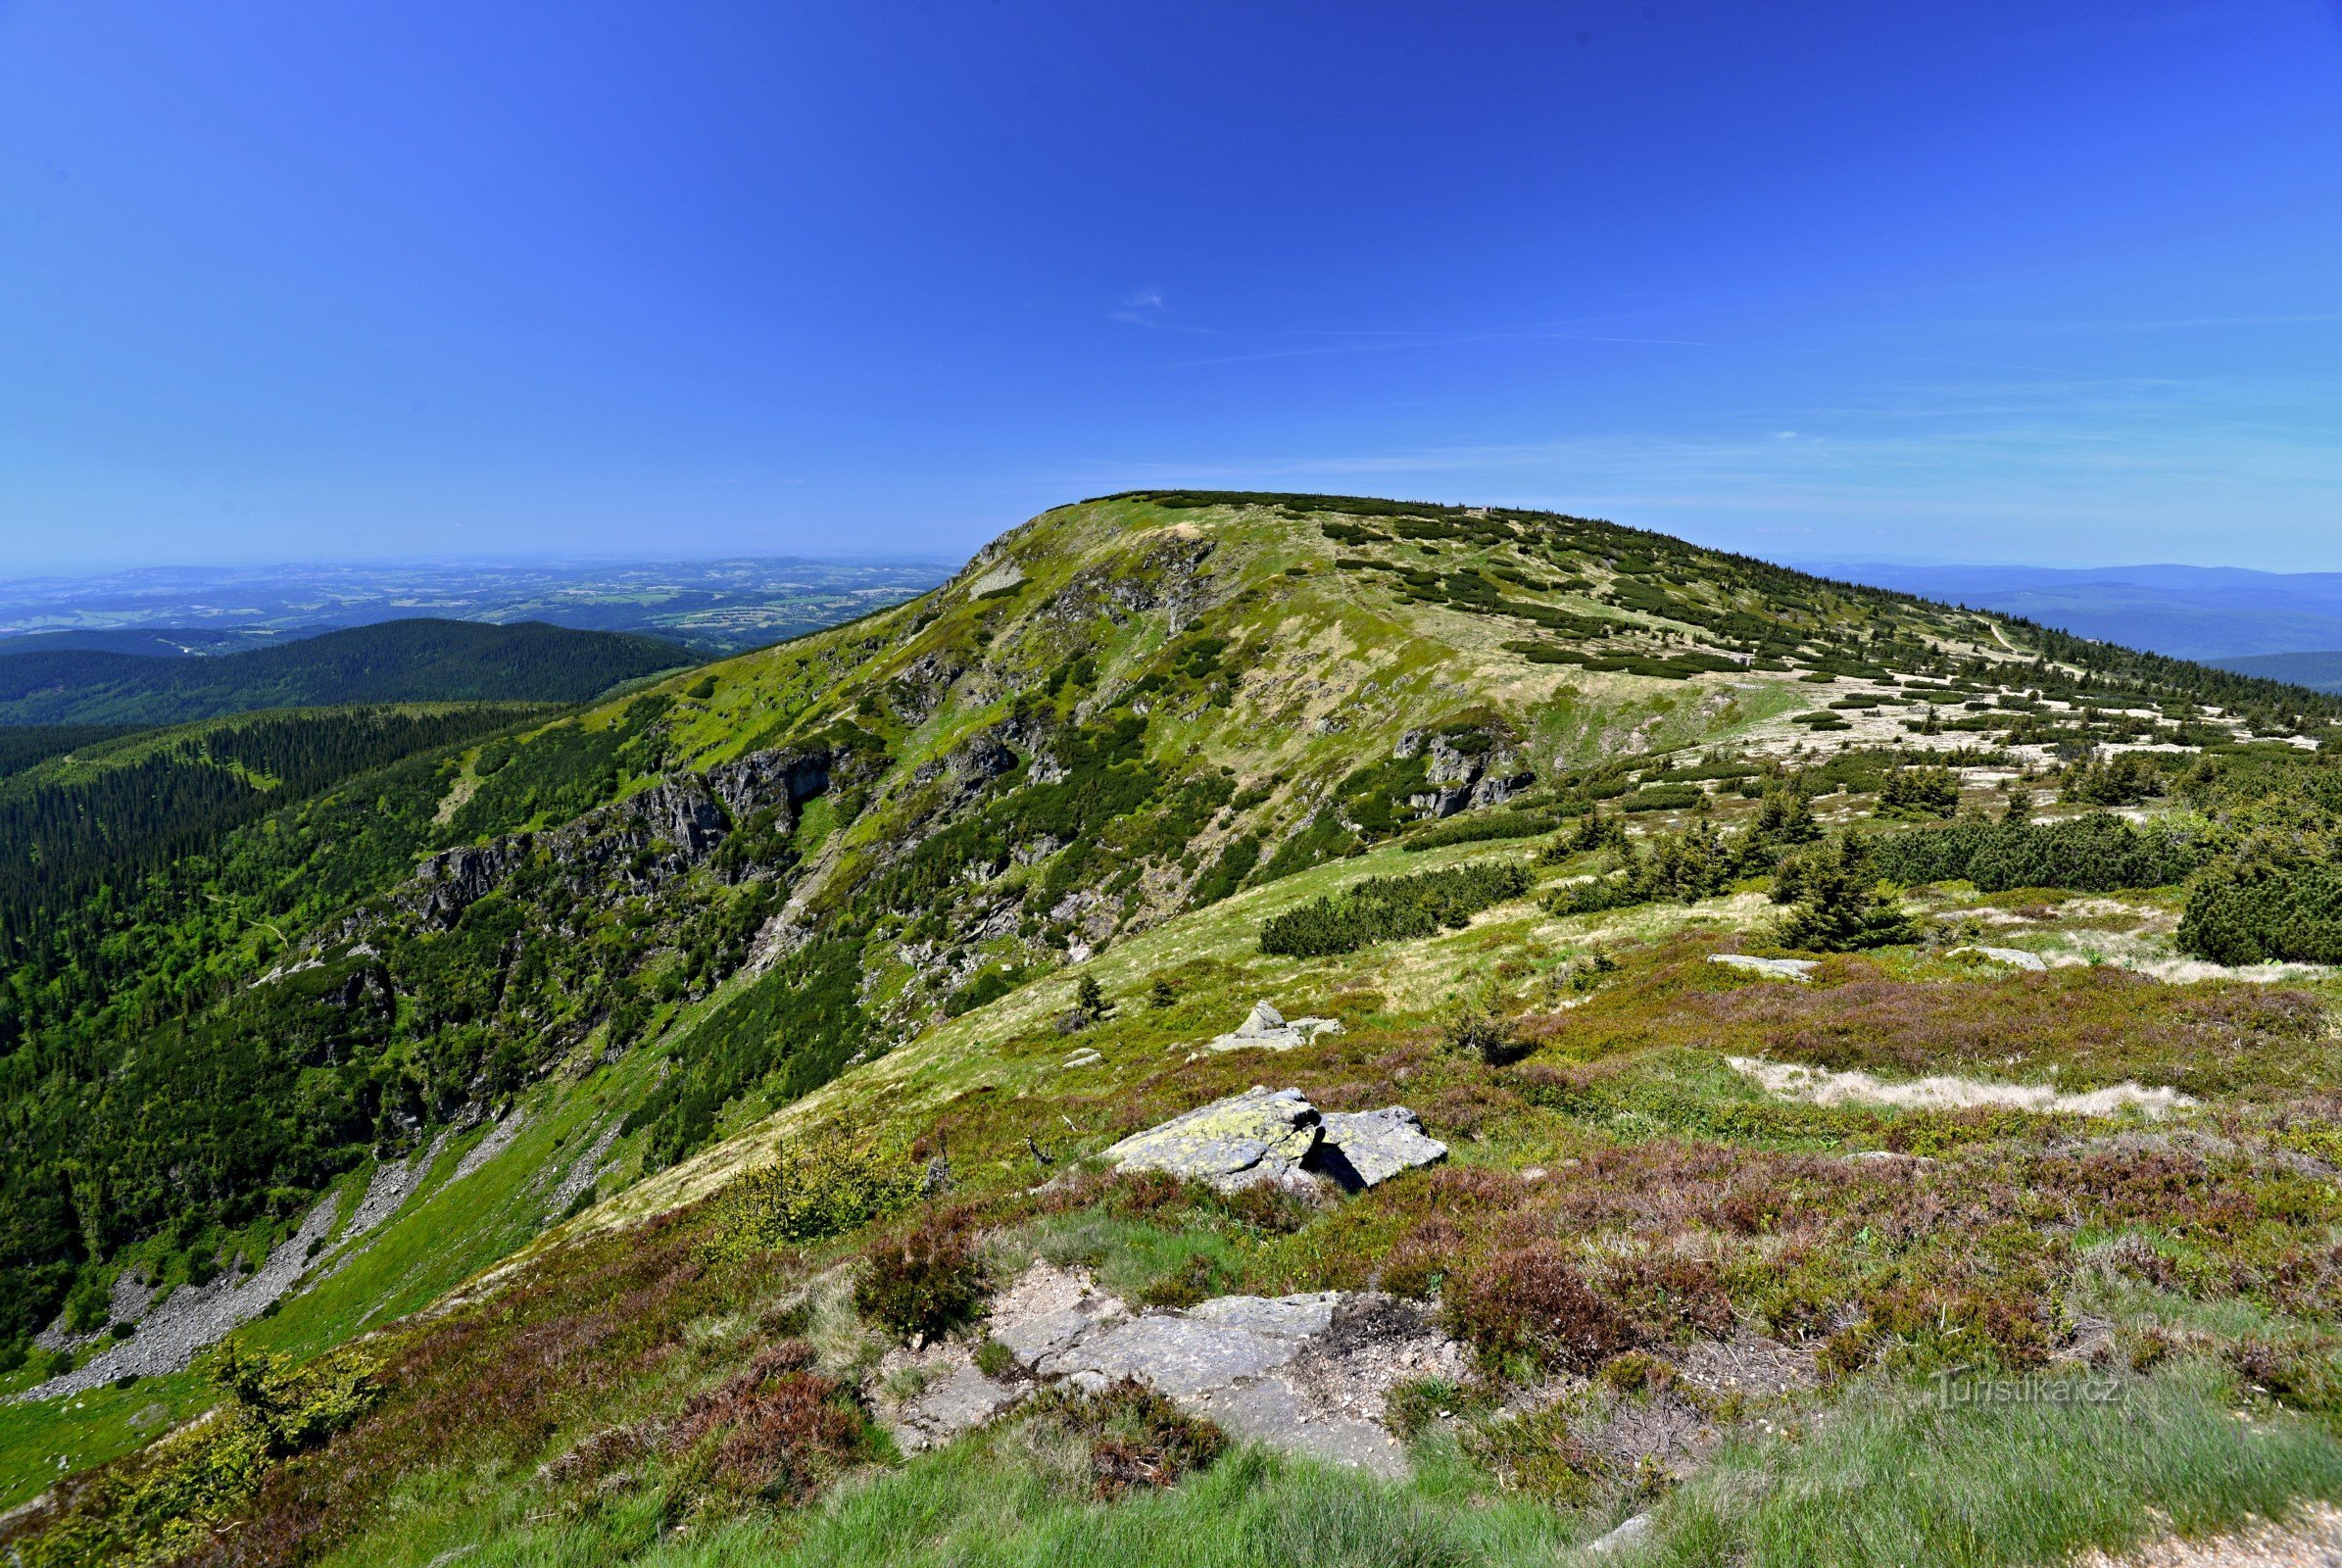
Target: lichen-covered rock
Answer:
pixel 1257 1136
pixel 1364 1148
pixel 965 1398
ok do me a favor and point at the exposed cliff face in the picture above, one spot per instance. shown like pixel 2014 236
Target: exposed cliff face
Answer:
pixel 1467 767
pixel 647 839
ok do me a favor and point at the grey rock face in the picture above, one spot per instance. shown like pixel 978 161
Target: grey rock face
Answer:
pixel 1797 969
pixel 1274 1411
pixel 1304 1373
pixel 782 779
pixel 1374 1146
pixel 1177 1354
pixel 966 1398
pixel 1465 780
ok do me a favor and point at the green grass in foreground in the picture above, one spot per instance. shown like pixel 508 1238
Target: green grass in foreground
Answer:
pixel 1890 1477
pixel 1001 1502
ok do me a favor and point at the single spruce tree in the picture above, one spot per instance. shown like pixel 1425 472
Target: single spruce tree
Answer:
pixel 1839 908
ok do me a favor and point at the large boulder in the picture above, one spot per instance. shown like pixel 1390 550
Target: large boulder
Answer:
pixel 1361 1149
pixel 1277 1136
pixel 1257 1136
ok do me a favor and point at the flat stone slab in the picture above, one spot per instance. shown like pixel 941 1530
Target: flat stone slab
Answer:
pixel 1257 1136
pixel 1284 1317
pixel 966 1398
pixel 1267 1029
pixel 1272 1411
pixel 2015 957
pixel 1367 1148
pixel 1798 969
pixel 1306 1373
pixel 1177 1354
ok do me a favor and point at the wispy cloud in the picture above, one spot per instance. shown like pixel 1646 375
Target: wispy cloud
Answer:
pixel 1144 306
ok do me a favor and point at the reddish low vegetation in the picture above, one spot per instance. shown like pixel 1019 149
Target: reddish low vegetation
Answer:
pixel 777 1430
pixel 924 1280
pixel 1137 1437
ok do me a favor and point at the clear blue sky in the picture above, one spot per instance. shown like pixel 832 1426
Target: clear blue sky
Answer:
pixel 2016 281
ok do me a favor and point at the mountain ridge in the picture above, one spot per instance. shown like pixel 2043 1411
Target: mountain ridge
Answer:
pixel 547 990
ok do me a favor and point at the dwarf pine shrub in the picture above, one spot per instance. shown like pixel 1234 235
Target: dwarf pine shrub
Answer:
pixel 1838 906
pixel 2094 854
pixel 930 1279
pixel 2262 913
pixel 1389 908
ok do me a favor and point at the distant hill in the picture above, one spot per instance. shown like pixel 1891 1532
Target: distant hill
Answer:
pixel 156 642
pixel 2210 614
pixel 395 662
pixel 2321 672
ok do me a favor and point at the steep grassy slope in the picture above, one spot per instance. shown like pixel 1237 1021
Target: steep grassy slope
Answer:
pixel 395 662
pixel 844 894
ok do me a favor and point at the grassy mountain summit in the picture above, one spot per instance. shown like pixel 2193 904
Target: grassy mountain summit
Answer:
pixel 726 1061
pixel 418 661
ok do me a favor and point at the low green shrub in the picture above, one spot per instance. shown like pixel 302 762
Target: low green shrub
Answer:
pixel 1531 1302
pixel 808 1193
pixel 1138 1439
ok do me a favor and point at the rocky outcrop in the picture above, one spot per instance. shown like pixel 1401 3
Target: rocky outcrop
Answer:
pixel 450 882
pixel 781 779
pixel 1305 1373
pixel 1466 768
pixel 655 834
pixel 1267 1029
pixel 920 687
pixel 1277 1136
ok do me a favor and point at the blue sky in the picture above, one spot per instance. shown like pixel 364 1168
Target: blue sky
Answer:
pixel 2052 283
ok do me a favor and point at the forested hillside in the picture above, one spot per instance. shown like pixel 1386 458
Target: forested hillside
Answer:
pixel 913 919
pixel 394 662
